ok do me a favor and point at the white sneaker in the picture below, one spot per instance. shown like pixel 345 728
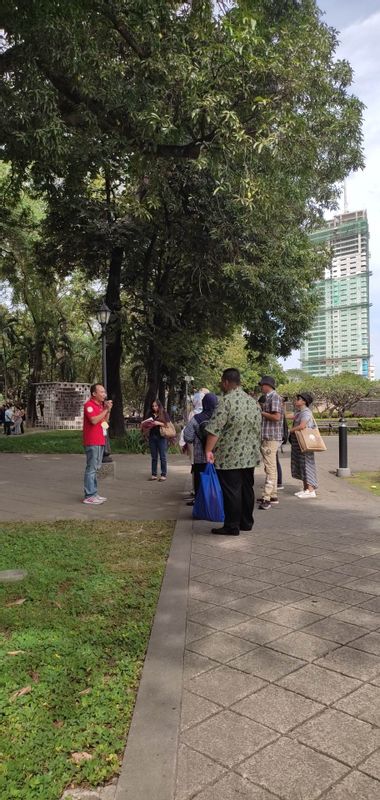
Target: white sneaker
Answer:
pixel 306 494
pixel 93 501
pixel 280 488
pixel 103 499
pixel 299 494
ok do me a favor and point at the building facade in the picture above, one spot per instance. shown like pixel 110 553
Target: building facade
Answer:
pixel 339 339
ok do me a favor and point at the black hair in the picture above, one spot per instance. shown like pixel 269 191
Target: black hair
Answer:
pixel 231 375
pixel 93 388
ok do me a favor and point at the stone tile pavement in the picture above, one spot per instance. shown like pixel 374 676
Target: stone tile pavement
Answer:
pixel 281 691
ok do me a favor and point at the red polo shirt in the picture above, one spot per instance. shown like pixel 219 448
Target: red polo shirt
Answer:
pixel 92 434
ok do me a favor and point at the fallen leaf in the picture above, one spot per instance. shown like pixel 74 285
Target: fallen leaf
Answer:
pixel 79 757
pixel 85 691
pixel 35 677
pixel 18 602
pixel 58 723
pixel 15 652
pixel 20 692
pixel 55 603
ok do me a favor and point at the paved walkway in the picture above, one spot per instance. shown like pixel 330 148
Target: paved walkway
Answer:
pixel 281 692
pixel 281 680
pixel 47 487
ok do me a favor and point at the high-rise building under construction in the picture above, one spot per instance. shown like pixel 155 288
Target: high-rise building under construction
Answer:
pixel 339 338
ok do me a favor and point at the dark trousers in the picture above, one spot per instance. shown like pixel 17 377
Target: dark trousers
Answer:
pixel 158 447
pixel 238 496
pixel 279 470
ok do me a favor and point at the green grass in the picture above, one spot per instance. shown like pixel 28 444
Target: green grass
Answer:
pixel 77 643
pixel 370 481
pixel 71 442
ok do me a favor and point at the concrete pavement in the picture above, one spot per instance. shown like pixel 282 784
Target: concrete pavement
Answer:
pixel 277 692
pixel 47 487
pixel 281 691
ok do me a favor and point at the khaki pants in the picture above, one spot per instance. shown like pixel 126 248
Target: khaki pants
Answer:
pixel 269 449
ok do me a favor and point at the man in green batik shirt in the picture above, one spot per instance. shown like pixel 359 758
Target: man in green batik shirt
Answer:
pixel 233 445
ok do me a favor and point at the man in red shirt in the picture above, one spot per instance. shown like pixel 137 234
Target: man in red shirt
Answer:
pixel 95 423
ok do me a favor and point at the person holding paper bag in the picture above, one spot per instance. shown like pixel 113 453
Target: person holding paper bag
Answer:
pixel 303 464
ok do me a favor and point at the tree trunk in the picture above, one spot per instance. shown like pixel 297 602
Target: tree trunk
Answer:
pixel 153 380
pixel 35 377
pixel 114 346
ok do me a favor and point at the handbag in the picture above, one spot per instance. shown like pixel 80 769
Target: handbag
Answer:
pixel 209 499
pixel 310 440
pixel 168 430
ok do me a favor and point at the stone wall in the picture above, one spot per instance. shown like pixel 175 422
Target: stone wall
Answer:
pixel 62 405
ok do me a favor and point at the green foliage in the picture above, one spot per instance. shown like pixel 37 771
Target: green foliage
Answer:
pixel 78 642
pixel 71 442
pixel 336 393
pixel 197 149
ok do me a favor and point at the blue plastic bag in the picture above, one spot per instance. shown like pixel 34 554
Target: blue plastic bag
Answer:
pixel 209 500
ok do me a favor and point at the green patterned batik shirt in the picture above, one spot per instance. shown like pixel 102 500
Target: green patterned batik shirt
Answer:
pixel 237 423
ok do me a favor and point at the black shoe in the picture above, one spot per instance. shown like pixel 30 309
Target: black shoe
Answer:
pixel 191 503
pixel 225 531
pixel 265 505
pixel 274 501
pixel 246 529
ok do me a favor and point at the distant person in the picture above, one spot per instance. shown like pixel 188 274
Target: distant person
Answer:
pixel 303 464
pixel 158 444
pixel 95 424
pixel 2 417
pixel 233 444
pixel 8 419
pixel 23 418
pixel 41 406
pixel 195 434
pixel 17 422
pixel 271 438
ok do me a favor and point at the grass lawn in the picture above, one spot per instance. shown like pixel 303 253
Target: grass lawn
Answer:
pixel 71 442
pixel 50 442
pixel 73 637
pixel 367 480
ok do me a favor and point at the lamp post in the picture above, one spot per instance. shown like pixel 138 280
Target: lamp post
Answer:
pixel 102 315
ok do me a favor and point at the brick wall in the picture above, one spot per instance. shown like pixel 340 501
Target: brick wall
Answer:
pixel 62 404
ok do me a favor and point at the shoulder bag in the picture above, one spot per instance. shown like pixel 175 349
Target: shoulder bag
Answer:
pixel 310 440
pixel 168 430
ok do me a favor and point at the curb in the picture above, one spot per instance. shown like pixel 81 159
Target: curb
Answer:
pixel 150 759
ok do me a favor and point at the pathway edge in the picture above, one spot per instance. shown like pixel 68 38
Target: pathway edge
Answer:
pixel 150 759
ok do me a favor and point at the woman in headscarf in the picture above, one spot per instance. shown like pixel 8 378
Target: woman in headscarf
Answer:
pixel 195 434
pixel 303 464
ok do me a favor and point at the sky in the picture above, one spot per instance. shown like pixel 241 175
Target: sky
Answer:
pixel 359 35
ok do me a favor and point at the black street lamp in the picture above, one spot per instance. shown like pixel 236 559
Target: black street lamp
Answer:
pixel 102 315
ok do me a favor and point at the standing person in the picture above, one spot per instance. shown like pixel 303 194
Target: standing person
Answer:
pixel 233 444
pixel 271 437
pixel 41 406
pixel 8 419
pixel 303 464
pixel 284 440
pixel 17 422
pixel 195 433
pixel 158 444
pixel 95 424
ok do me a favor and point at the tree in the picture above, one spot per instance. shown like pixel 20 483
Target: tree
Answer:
pixel 336 393
pixel 248 104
